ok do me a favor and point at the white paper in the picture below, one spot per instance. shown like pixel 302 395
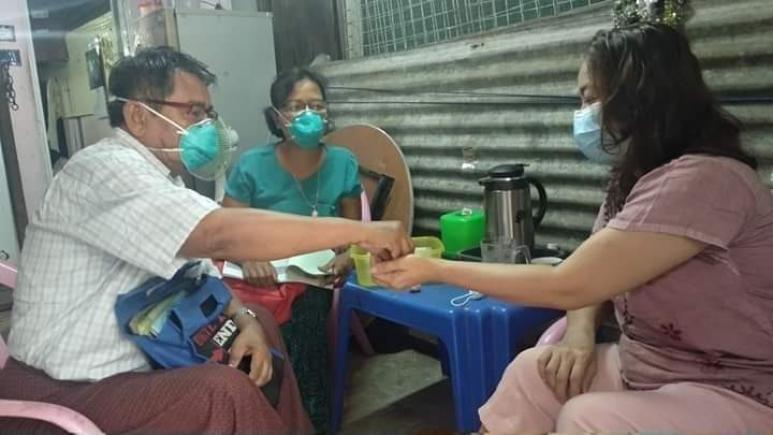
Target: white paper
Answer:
pixel 311 262
pixel 307 263
pixel 231 270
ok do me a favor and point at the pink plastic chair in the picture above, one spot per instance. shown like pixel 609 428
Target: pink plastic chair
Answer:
pixel 65 418
pixel 365 213
pixel 357 329
pixel 7 275
pixel 554 333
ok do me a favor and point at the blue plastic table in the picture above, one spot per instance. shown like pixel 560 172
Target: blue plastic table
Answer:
pixel 480 338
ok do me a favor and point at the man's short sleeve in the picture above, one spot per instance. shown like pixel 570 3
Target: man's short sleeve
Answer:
pixel 134 212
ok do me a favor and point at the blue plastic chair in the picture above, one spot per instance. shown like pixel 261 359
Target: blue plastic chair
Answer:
pixel 480 339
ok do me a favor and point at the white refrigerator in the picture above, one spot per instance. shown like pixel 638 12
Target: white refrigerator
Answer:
pixel 238 46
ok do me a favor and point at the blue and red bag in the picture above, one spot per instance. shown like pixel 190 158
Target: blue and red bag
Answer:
pixel 196 331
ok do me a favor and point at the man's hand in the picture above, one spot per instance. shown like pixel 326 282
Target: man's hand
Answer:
pixel 260 274
pixel 252 342
pixel 405 273
pixel 568 367
pixel 386 240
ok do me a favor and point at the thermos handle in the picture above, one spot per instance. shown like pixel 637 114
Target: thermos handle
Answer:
pixel 543 200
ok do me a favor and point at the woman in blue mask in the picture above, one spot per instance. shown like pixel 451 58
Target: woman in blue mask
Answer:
pixel 681 247
pixel 300 174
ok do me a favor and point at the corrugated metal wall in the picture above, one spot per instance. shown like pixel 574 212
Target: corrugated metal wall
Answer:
pixel 733 39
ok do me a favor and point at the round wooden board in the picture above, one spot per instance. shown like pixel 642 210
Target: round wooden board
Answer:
pixel 375 150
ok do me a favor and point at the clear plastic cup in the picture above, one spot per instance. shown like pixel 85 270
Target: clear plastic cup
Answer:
pixel 504 251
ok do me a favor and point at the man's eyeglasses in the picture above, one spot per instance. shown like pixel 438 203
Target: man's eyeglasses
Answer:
pixel 196 111
pixel 295 106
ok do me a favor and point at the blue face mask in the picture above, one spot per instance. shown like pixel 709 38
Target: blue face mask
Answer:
pixel 588 136
pixel 307 129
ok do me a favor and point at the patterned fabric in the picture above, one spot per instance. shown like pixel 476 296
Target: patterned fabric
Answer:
pixel 205 399
pixel 112 218
pixel 708 320
pixel 306 339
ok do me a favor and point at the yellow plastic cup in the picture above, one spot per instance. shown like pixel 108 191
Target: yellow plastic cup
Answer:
pixel 430 247
pixel 362 262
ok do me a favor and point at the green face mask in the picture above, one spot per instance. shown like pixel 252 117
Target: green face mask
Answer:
pixel 199 145
pixel 306 128
pixel 205 147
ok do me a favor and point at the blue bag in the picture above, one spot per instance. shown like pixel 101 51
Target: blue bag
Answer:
pixel 196 331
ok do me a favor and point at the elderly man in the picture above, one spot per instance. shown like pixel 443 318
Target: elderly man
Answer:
pixel 118 214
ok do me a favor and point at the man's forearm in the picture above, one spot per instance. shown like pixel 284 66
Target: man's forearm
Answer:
pixel 242 321
pixel 233 307
pixel 240 234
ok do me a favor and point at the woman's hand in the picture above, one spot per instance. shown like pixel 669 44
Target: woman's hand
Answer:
pixel 406 272
pixel 252 342
pixel 568 367
pixel 260 274
pixel 338 267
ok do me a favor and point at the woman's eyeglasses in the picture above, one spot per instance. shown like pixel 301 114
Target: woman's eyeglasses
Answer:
pixel 295 106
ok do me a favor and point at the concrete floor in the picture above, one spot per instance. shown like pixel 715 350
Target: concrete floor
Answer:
pixel 399 393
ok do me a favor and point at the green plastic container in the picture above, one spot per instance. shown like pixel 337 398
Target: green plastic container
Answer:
pixel 430 247
pixel 462 229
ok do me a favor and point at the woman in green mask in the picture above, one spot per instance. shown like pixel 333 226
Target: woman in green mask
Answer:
pixel 301 175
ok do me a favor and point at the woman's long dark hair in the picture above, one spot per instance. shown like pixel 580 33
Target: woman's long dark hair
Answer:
pixel 654 101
